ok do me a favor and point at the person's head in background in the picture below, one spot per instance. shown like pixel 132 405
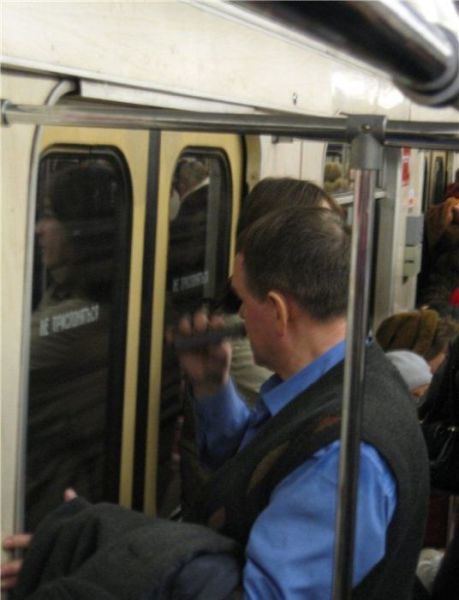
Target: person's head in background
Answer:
pixel 421 331
pixel 414 369
pixel 273 193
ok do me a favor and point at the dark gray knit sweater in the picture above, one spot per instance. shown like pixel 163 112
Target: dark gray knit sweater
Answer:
pixel 238 491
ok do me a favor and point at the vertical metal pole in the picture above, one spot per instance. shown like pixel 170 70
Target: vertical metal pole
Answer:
pixel 366 153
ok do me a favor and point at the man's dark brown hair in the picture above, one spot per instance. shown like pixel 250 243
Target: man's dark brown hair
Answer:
pixel 301 252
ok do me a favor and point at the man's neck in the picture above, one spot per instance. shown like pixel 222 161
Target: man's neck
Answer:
pixel 307 341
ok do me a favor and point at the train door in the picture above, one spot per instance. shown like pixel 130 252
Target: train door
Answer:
pixel 199 190
pixel 131 229
pixel 92 193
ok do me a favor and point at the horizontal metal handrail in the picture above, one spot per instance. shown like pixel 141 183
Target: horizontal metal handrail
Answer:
pixel 333 129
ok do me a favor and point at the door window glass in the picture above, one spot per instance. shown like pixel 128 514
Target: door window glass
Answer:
pixel 77 333
pixel 197 269
pixel 198 230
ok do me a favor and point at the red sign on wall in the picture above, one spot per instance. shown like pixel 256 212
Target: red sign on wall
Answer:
pixel 406 155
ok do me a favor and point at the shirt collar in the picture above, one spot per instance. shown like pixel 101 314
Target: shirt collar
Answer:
pixel 276 393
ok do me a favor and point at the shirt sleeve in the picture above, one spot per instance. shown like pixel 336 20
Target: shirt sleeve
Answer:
pixel 291 545
pixel 221 423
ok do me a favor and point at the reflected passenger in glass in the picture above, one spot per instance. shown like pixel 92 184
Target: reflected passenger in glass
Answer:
pixel 69 347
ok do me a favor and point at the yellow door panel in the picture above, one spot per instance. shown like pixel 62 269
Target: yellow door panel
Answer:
pixel 173 145
pixel 134 147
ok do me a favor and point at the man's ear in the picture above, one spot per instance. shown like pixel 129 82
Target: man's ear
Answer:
pixel 281 311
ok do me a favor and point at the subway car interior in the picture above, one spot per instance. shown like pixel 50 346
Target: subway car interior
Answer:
pixel 132 134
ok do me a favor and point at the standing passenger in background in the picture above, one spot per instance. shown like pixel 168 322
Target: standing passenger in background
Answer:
pixel 440 262
pixel 274 485
pixel 415 372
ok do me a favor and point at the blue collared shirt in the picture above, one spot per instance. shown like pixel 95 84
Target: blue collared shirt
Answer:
pixel 290 549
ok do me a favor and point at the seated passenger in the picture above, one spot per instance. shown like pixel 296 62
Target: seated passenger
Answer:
pixel 415 372
pixel 421 331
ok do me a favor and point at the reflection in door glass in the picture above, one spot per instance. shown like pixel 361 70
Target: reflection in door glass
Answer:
pixel 78 208
pixel 188 273
pixel 199 234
